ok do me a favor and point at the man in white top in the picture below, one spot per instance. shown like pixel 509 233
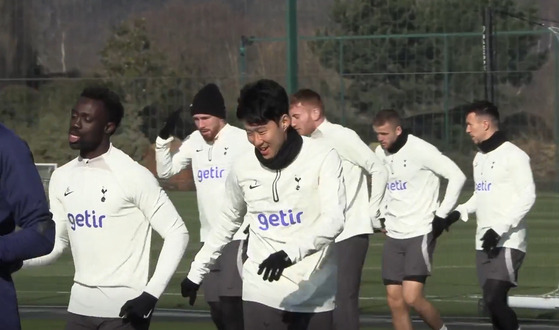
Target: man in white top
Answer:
pixel 105 206
pixel 211 150
pixel 411 206
pixel 361 216
pixel 504 192
pixel 290 190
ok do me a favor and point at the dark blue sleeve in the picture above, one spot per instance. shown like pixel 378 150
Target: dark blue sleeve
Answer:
pixel 25 204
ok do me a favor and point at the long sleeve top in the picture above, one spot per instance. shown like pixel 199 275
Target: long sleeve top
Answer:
pixel 298 209
pixel 105 209
pixel 504 192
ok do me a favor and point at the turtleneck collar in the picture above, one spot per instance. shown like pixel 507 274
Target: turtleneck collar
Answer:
pixel 287 153
pixel 493 142
pixel 399 143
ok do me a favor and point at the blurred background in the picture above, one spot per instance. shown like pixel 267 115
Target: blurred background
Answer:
pixel 421 57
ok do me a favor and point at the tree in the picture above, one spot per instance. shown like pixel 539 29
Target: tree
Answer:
pixel 137 72
pixel 408 73
pixel 17 56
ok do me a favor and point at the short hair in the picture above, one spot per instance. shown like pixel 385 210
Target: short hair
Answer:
pixel 262 101
pixel 483 108
pixel 387 116
pixel 306 96
pixel 110 100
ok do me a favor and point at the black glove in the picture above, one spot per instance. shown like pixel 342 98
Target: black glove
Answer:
pixel 490 240
pixel 170 124
pixel 439 224
pixel 138 309
pixel 382 228
pixel 274 265
pixel 189 289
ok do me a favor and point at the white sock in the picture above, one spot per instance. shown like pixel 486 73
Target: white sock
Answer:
pixel 443 327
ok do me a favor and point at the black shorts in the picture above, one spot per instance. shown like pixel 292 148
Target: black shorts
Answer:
pixel 225 279
pixel 502 265
pixel 407 258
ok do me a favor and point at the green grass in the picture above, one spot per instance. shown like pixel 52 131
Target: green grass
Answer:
pixel 60 324
pixel 453 286
pixel 33 324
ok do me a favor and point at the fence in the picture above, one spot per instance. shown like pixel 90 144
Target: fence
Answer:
pixel 428 77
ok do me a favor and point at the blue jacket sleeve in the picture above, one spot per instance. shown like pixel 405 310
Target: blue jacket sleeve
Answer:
pixel 23 204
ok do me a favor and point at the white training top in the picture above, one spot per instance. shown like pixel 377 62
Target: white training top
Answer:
pixel 211 163
pixel 299 210
pixel 412 191
pixel 504 192
pixel 105 209
pixel 358 162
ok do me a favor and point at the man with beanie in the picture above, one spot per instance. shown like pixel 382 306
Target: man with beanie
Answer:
pixel 290 190
pixel 410 207
pixel 210 150
pixel 359 164
pixel 504 192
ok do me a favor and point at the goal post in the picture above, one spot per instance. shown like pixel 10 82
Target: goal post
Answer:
pixel 45 171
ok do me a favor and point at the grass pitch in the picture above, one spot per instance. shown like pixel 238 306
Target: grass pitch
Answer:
pixel 453 288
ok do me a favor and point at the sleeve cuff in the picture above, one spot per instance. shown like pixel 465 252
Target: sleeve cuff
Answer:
pixel 293 254
pixel 376 223
pixel 161 143
pixel 195 277
pixel 155 292
pixel 440 215
pixel 463 212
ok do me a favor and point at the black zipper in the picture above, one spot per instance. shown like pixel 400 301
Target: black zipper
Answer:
pixel 275 194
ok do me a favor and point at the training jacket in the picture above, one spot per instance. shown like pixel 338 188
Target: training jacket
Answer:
pixel 412 191
pixel 299 210
pixel 211 163
pixel 105 209
pixel 23 204
pixel 358 162
pixel 504 192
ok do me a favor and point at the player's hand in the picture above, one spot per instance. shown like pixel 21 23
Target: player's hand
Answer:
pixel 189 289
pixel 490 240
pixel 138 309
pixel 274 265
pixel 379 227
pixel 440 224
pixel 170 124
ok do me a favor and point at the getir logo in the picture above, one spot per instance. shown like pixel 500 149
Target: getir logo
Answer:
pixel 397 185
pixel 282 218
pixel 213 172
pixel 483 186
pixel 87 219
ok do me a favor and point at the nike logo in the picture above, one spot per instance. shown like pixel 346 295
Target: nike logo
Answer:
pixel 148 314
pixel 255 185
pixel 68 192
pixel 198 150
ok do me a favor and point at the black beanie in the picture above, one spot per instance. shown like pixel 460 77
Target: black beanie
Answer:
pixel 208 101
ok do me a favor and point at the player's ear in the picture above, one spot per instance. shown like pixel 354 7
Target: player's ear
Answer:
pixel 398 130
pixel 110 128
pixel 486 124
pixel 285 122
pixel 315 113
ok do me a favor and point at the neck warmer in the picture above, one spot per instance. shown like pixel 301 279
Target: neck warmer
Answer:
pixel 399 143
pixel 287 153
pixel 493 142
